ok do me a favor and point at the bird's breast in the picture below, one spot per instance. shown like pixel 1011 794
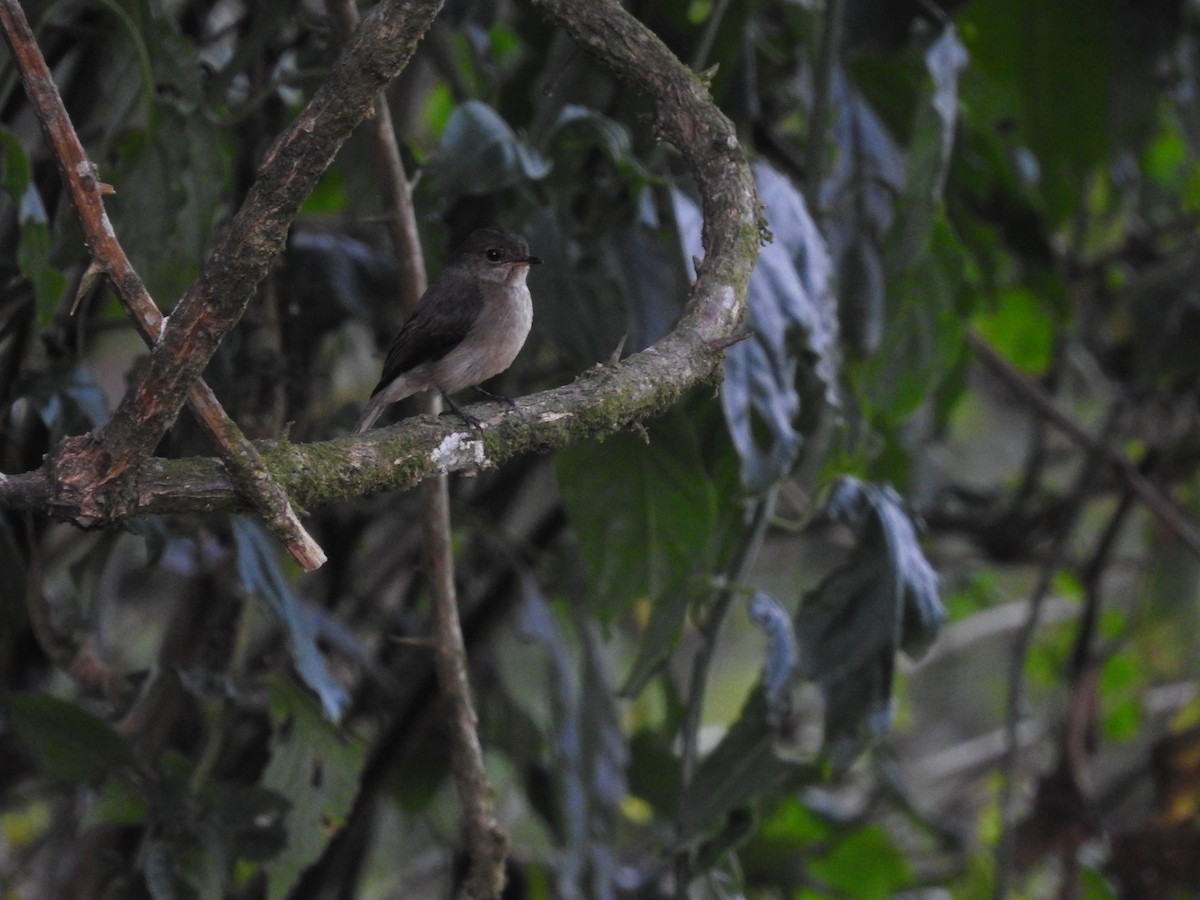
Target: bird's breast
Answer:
pixel 493 341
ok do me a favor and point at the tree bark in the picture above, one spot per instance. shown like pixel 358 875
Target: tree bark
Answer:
pixel 602 400
pixel 91 478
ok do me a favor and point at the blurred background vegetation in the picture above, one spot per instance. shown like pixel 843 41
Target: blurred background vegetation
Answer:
pixel 706 654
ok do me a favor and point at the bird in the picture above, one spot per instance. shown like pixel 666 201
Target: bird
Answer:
pixel 468 326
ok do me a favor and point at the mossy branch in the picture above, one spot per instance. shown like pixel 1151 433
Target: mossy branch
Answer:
pixel 603 400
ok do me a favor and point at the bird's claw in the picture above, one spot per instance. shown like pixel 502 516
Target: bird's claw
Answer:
pixel 468 419
pixel 499 398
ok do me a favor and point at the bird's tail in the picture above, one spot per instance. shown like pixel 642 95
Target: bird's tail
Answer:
pixel 374 407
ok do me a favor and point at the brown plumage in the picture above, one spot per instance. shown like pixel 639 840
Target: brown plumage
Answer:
pixel 468 325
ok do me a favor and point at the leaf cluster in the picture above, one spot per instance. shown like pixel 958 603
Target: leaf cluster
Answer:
pixel 703 649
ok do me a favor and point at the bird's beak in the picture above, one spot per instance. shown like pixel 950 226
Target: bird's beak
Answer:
pixel 533 260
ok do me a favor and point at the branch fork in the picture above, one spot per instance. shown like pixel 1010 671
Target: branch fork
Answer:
pixel 102 477
pixel 90 476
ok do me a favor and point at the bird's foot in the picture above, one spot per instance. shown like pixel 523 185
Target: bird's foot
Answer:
pixel 468 419
pixel 499 398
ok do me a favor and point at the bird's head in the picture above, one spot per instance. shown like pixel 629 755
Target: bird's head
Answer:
pixel 494 254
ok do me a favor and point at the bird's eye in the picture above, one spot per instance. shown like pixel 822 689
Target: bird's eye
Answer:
pixel 493 255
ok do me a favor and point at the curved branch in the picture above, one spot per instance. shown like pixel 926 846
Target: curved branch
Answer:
pixel 89 472
pixel 686 117
pixel 601 401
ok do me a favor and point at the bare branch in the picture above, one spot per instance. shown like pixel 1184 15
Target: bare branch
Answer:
pixel 379 49
pixel 487 844
pixel 603 400
pixel 108 256
pixel 1023 643
pixel 1160 505
pixel 686 117
pixel 89 473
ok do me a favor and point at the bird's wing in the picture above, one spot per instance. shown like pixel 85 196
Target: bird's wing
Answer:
pixel 436 327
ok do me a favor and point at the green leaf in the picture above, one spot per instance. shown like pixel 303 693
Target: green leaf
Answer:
pixel 15 173
pixel 33 259
pixel 777 382
pixel 578 128
pixel 330 196
pixel 234 822
pixel 169 163
pixel 1020 328
pixel 645 513
pixel 866 865
pixel 1165 157
pixel 33 250
pixel 882 599
pixel 924 330
pixel 929 150
pixel 1121 680
pixel 67 401
pixel 171 185
pixel 316 767
pixel 252 818
pixel 1054 62
pixel 199 833
pixel 743 767
pixel 117 802
pixel 1189 190
pixel 480 154
pixel 259 569
pixel 794 823
pixel 66 741
pixel 1096 886
pixel 439 107
pixel 641 506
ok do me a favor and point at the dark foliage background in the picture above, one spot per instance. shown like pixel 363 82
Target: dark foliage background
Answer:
pixel 704 651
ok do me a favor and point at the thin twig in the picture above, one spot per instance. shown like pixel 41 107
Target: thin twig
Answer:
pixel 1160 505
pixel 393 182
pixel 73 655
pixel 1055 554
pixel 290 169
pixel 487 843
pixel 91 476
pixel 87 195
pixel 1083 653
pixel 818 120
pixel 715 17
pixel 221 715
pixel 600 401
pixel 764 509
